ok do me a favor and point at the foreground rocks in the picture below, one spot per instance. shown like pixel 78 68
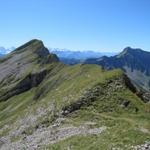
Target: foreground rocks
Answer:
pixel 145 146
pixel 50 135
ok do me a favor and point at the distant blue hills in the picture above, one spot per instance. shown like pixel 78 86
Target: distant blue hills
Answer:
pixel 4 51
pixel 74 57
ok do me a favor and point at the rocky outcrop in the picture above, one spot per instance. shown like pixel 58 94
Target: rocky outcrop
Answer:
pixel 49 136
pixel 129 84
pixel 89 97
pixel 145 96
pixel 145 146
pixel 51 58
pixel 100 92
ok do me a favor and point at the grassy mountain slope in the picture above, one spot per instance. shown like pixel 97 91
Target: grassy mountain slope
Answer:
pixel 20 66
pixel 76 107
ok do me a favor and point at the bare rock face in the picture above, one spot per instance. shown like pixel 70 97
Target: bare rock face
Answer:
pixel 19 68
pixel 145 96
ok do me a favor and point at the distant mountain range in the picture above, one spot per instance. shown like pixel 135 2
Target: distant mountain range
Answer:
pixel 135 62
pixel 65 53
pixel 74 57
pixel 4 51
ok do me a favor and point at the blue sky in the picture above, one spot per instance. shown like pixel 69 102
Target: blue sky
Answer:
pixel 101 25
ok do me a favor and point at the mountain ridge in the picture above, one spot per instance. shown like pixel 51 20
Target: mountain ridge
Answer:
pixel 46 104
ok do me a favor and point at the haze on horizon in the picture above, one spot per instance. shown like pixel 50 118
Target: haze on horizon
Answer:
pixel 100 25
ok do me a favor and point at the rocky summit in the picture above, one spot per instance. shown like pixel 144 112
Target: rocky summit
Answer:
pixel 23 69
pixel 45 104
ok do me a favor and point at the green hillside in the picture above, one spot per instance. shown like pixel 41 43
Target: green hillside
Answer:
pixel 49 105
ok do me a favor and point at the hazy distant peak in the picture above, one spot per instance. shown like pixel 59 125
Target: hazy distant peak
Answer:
pixel 4 51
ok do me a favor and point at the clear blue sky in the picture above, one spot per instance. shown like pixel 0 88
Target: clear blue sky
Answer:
pixel 104 25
